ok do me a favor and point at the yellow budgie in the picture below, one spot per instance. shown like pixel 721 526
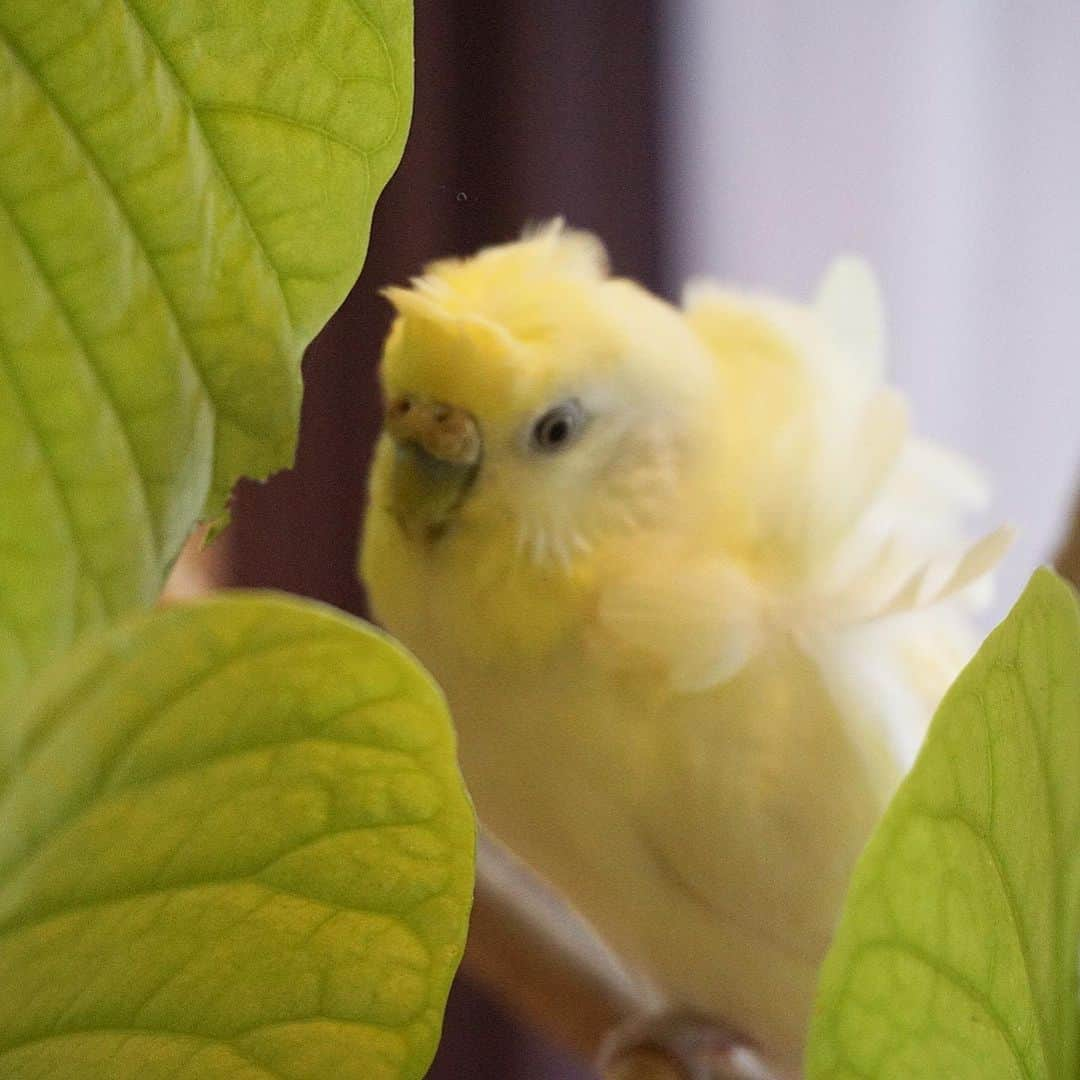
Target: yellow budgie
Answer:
pixel 691 588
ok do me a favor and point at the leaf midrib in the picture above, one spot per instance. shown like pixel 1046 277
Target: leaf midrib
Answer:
pixel 91 364
pixel 120 205
pixel 961 983
pixel 985 840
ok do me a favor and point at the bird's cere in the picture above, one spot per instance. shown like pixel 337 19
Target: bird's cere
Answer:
pixel 443 431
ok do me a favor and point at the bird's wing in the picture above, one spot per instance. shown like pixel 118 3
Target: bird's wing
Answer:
pixel 700 622
pixel 756 803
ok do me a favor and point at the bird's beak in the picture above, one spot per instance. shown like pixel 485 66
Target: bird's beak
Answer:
pixel 436 456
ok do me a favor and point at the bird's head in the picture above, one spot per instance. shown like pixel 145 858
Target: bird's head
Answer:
pixel 529 395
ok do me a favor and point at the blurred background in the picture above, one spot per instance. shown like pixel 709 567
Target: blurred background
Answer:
pixel 940 139
pixel 750 141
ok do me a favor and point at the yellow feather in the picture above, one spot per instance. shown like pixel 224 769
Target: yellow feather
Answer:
pixel 690 650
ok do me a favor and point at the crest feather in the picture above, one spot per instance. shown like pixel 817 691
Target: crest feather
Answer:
pixel 849 301
pixel 519 287
pixel 573 251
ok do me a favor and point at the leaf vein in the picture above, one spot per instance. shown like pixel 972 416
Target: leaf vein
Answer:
pixel 141 722
pixel 96 372
pixel 212 151
pixel 1015 917
pixel 255 877
pixel 179 323
pixel 56 483
pixel 960 982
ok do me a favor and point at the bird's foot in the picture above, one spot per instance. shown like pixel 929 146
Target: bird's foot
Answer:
pixel 678 1046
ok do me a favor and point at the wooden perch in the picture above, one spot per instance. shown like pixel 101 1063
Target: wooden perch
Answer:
pixel 199 569
pixel 549 966
pixel 546 962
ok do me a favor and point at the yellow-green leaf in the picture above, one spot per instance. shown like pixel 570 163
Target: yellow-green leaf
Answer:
pixel 234 843
pixel 959 948
pixel 186 189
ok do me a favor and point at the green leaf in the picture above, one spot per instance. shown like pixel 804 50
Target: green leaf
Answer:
pixel 234 843
pixel 958 951
pixel 186 189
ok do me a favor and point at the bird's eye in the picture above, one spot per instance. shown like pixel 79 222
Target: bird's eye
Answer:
pixel 558 427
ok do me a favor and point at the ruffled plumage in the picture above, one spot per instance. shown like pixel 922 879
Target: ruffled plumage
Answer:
pixel 690 656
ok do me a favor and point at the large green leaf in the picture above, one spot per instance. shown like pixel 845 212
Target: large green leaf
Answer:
pixel 958 951
pixel 234 843
pixel 185 196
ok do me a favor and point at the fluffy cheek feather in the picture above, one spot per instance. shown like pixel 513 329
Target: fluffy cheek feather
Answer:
pixel 517 573
pixel 623 483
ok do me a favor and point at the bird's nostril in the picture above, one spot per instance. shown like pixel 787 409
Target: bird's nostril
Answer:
pixel 444 431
